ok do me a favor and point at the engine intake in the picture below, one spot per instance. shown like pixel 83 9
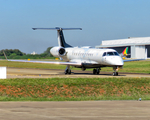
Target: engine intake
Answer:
pixel 62 51
pixel 58 51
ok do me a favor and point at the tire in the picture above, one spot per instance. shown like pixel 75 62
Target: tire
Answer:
pixel 114 74
pixel 97 71
pixel 94 71
pixel 69 71
pixel 66 71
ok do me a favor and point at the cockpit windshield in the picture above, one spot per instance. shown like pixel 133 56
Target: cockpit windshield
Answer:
pixel 110 54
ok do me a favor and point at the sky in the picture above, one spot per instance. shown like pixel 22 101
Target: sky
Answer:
pixel 99 19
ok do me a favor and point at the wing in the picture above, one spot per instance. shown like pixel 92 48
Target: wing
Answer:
pixel 72 62
pixel 133 60
pixel 50 62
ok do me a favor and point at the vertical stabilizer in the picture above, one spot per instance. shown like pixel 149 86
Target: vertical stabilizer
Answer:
pixel 125 52
pixel 61 39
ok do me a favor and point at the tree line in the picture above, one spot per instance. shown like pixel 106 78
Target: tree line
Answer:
pixel 17 54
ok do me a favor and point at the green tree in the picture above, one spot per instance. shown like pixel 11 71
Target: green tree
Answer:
pixel 48 52
pixel 8 52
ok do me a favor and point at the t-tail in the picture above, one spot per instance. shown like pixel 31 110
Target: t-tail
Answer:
pixel 61 39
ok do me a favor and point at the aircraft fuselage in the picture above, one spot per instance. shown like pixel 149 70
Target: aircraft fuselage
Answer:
pixel 90 57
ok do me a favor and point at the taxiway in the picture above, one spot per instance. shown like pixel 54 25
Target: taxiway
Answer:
pixel 75 110
pixel 51 73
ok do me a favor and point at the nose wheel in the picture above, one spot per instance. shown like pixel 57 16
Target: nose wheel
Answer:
pixel 115 73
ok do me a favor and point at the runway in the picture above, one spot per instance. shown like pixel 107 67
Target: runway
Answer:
pixel 75 110
pixel 51 73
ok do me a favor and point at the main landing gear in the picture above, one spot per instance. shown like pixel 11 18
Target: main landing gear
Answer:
pixel 115 73
pixel 96 71
pixel 68 70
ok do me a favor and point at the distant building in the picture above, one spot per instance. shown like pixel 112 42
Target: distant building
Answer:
pixel 34 53
pixel 139 47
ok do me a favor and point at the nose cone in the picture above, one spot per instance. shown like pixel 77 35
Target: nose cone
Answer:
pixel 116 60
pixel 119 62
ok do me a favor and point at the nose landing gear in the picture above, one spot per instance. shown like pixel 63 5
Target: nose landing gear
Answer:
pixel 115 73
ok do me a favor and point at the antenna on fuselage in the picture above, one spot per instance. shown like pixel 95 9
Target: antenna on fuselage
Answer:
pixel 61 39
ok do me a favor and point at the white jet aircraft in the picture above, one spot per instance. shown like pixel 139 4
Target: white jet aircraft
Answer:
pixel 82 57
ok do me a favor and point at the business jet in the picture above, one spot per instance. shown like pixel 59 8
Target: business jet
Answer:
pixel 82 57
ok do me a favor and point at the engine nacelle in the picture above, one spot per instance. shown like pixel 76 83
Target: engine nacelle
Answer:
pixel 58 51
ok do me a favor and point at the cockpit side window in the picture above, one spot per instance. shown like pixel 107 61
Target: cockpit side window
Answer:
pixel 104 54
pixel 115 53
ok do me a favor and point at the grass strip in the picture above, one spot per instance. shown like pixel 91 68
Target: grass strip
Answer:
pixel 131 67
pixel 74 89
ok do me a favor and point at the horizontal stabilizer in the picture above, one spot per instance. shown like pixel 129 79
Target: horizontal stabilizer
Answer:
pixel 57 28
pixel 61 39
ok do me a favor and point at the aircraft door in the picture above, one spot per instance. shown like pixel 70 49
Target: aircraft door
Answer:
pixel 104 58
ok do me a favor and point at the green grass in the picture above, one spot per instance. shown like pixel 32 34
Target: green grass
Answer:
pixel 132 67
pixel 31 65
pixel 74 89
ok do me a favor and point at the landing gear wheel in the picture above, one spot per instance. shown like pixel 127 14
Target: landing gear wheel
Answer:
pixel 69 71
pixel 66 71
pixel 115 73
pixel 97 71
pixel 94 71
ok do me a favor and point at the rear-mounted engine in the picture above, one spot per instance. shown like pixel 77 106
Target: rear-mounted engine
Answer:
pixel 58 51
pixel 62 51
